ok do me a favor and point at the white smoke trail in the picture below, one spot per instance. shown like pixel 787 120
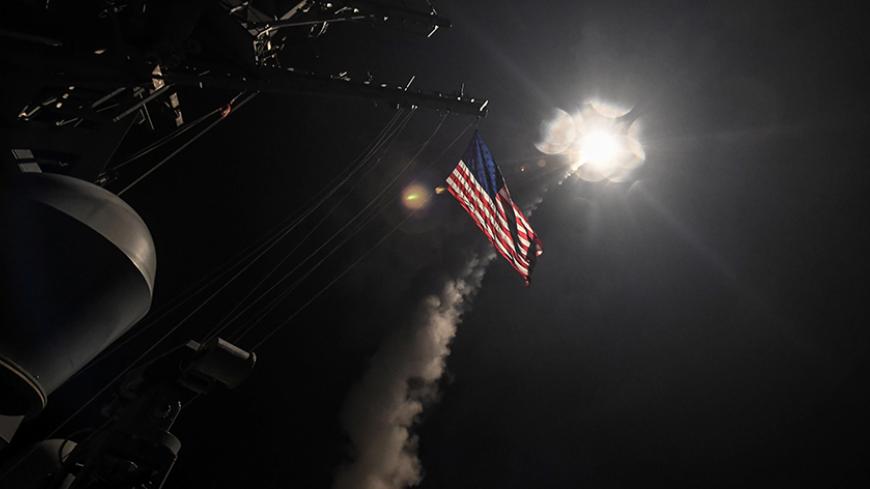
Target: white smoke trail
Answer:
pixel 381 409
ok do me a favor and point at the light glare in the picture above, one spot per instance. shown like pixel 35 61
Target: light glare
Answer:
pixel 416 196
pixel 598 142
pixel 599 147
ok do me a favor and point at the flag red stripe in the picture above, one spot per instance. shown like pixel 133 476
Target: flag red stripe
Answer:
pixel 481 199
pixel 507 249
pixel 480 195
pixel 473 193
pixel 501 242
pixel 483 223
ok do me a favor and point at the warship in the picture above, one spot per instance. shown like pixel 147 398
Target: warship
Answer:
pixel 89 88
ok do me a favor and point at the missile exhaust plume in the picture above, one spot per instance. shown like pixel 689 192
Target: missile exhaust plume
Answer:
pixel 380 411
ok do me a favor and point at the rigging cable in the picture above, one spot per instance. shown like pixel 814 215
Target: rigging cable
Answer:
pixel 235 313
pixel 273 304
pixel 263 249
pixel 202 285
pixel 124 371
pixel 165 139
pixel 183 146
pixel 374 200
pixel 223 110
pixel 329 285
pixel 274 241
pixel 275 236
pixel 277 300
pixel 350 221
pixel 385 137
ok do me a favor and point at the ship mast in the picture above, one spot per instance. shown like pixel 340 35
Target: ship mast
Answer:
pixel 91 100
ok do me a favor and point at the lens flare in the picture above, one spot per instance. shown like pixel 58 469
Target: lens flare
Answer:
pixel 599 141
pixel 599 147
pixel 557 134
pixel 416 197
pixel 608 109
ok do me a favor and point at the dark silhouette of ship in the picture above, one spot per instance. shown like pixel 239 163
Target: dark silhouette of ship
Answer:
pixel 77 264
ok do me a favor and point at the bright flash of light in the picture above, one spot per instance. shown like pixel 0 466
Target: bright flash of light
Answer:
pixel 599 147
pixel 598 142
pixel 416 196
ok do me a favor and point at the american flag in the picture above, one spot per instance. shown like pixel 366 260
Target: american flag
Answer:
pixel 477 184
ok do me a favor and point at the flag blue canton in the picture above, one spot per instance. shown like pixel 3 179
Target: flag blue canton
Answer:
pixel 479 160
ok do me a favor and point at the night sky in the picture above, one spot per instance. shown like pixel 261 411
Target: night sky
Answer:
pixel 702 325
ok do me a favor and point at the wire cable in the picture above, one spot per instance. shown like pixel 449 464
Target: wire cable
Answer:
pixel 179 323
pixel 353 218
pixel 257 251
pixel 175 327
pixel 269 242
pixel 143 355
pixel 322 197
pixel 183 146
pixel 329 285
pixel 165 139
pixel 275 240
pixel 371 202
pixel 236 313
pixel 277 300
pixel 273 304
